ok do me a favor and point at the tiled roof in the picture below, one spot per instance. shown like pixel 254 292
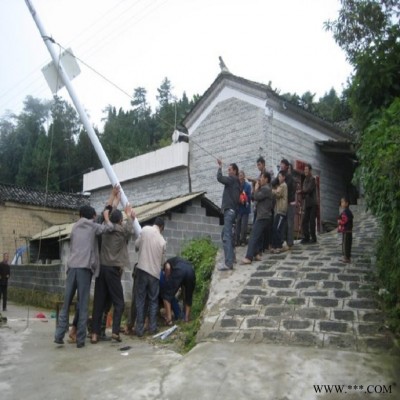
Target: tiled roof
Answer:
pixel 25 195
pixel 268 93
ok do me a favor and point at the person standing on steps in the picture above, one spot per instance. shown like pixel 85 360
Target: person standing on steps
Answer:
pixel 263 195
pixel 291 208
pixel 345 227
pixel 309 193
pixel 280 194
pixel 229 206
pixel 244 210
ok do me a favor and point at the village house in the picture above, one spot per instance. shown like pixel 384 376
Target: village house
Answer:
pixel 238 120
pixel 36 257
pixel 25 211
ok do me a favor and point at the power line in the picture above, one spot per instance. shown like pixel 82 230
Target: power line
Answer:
pixel 109 81
pixel 102 37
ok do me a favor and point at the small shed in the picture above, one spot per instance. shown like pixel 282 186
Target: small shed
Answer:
pixel 186 217
pixel 25 211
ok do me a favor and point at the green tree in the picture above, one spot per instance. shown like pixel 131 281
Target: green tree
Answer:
pixel 363 25
pixel 84 159
pixel 63 133
pixel 369 31
pixel 165 96
pixel 307 101
pixel 333 108
pixel 8 165
pixel 293 98
pixel 166 114
pixel 141 110
pixel 379 156
pixel 111 138
pixel 29 128
pixel 142 122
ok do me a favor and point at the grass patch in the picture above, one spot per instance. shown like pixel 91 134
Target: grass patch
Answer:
pixel 34 298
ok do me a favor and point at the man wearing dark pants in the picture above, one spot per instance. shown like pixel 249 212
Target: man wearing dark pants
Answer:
pixel 309 192
pixel 179 273
pixel 152 248
pixel 113 259
pixel 291 209
pixel 263 195
pixel 230 204
pixel 83 262
pixel 4 276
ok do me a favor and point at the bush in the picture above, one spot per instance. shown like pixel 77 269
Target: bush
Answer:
pixel 201 253
pixel 379 155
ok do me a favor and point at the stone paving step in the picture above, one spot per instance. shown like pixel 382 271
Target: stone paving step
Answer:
pixel 304 297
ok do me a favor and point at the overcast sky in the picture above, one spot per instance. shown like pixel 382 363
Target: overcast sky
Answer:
pixel 139 42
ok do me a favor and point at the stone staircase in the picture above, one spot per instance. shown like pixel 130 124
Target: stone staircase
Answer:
pixel 304 297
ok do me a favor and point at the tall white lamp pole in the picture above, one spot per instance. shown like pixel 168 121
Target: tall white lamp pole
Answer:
pixel 84 118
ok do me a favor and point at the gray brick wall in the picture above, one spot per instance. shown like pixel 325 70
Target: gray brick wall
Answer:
pixel 46 278
pixel 240 132
pixel 234 132
pixel 334 171
pixel 161 186
pixel 237 131
pixel 179 229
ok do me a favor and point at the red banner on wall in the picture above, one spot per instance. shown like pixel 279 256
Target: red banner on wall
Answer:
pixel 299 165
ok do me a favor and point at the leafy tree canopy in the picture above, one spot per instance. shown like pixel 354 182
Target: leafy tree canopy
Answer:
pixel 368 31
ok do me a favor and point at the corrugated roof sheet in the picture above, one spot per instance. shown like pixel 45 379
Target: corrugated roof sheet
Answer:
pixel 54 232
pixel 25 195
pixel 144 213
pixel 151 210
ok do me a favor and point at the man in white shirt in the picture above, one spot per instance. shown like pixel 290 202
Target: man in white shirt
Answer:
pixel 152 248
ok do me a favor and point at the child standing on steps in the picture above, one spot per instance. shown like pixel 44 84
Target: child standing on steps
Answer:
pixel 345 227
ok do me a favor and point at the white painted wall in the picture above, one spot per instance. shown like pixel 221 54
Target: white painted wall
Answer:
pixel 158 161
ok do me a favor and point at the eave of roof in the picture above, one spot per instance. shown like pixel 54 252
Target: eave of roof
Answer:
pixel 337 147
pixel 266 92
pixel 151 210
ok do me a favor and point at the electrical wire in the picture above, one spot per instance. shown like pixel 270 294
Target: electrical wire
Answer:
pixel 109 81
pixel 102 36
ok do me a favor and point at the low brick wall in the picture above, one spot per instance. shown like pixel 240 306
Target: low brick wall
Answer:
pixel 46 278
